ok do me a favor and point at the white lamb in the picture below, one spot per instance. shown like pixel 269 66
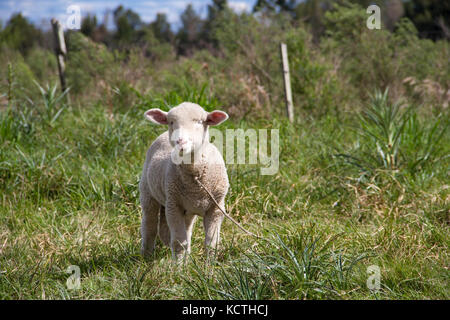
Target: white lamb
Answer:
pixel 168 189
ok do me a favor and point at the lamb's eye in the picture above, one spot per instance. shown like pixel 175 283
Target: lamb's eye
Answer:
pixel 171 122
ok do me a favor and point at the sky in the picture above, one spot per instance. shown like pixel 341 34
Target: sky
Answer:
pixel 41 11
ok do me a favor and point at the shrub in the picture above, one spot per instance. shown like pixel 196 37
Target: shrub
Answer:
pixel 43 64
pixel 392 139
pixel 315 87
pixel 87 62
pixel 374 59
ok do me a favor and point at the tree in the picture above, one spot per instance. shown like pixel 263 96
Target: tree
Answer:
pixel 188 36
pixel 88 25
pixel 215 10
pixel 127 23
pixel 161 28
pixel 312 12
pixel 20 34
pixel 431 17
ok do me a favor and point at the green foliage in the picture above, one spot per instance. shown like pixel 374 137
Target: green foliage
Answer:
pixel 314 86
pixel 430 17
pixel 19 34
pixel 301 263
pixel 174 98
pixel 18 76
pixel 346 22
pixel 374 59
pixel 42 63
pixel 382 123
pixel 88 25
pixel 422 150
pixel 86 61
pixel 250 81
pixel 156 47
pixel 188 36
pixel 13 126
pixel 246 279
pixel 127 23
pixel 393 139
pixel 161 28
pixel 51 100
pixel 10 83
pixel 77 202
pixel 217 11
pixel 69 174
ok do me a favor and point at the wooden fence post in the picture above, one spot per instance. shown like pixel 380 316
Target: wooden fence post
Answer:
pixel 287 82
pixel 60 51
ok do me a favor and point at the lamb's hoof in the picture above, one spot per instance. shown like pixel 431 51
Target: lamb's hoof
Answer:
pixel 146 252
pixel 180 259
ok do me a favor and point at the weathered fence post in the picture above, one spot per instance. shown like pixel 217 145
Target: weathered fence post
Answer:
pixel 60 51
pixel 287 82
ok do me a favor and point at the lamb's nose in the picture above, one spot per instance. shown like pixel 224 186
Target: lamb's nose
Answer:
pixel 180 141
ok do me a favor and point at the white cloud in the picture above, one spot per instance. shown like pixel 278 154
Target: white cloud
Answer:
pixel 239 6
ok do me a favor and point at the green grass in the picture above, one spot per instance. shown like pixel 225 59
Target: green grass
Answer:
pixel 69 196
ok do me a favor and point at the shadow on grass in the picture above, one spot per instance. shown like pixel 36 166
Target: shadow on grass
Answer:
pixel 120 259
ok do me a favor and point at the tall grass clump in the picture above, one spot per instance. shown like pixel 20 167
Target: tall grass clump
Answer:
pixel 392 140
pixel 382 127
pixel 15 125
pixel 291 263
pixel 51 102
pixel 8 127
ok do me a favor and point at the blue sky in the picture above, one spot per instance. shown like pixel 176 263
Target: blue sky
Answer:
pixel 40 11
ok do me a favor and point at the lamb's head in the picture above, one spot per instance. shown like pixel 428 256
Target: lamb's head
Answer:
pixel 188 125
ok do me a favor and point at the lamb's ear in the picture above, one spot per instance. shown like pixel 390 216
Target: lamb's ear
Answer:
pixel 216 117
pixel 156 116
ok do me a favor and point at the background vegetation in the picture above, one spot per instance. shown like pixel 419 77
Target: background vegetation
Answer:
pixel 364 169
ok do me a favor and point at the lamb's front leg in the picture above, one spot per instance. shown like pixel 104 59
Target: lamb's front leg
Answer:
pixel 212 222
pixel 177 226
pixel 149 224
pixel 189 222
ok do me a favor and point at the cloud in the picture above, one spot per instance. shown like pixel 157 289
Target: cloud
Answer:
pixel 239 6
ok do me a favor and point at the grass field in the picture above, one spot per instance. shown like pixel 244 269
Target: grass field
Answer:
pixel 353 191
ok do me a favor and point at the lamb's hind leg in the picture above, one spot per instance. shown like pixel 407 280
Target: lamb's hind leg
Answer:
pixel 149 225
pixel 164 232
